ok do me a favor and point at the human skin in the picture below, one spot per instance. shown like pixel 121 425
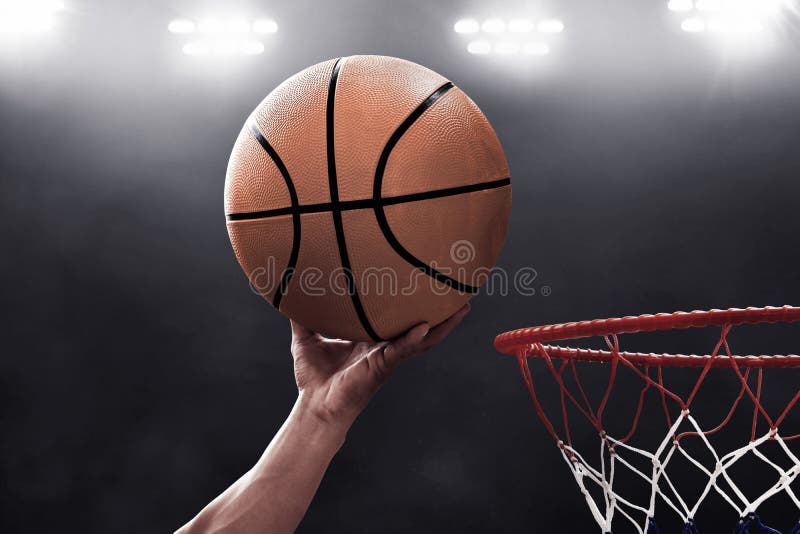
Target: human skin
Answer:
pixel 335 381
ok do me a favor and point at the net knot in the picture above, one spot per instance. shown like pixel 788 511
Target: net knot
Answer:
pixel 690 527
pixel 566 451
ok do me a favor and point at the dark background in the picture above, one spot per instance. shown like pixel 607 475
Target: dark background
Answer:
pixel 139 376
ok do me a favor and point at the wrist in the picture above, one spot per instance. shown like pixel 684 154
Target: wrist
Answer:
pixel 320 426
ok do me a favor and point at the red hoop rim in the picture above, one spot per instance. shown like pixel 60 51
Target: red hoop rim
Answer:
pixel 530 341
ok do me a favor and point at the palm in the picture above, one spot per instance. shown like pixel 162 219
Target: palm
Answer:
pixel 317 360
pixel 341 376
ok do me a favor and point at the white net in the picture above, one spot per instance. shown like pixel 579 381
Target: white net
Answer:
pixel 721 468
pixel 614 456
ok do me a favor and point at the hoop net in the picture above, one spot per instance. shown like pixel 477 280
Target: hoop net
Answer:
pixel 715 463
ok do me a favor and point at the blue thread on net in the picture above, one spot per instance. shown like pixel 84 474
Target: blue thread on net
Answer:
pixel 652 528
pixel 690 527
pixel 752 520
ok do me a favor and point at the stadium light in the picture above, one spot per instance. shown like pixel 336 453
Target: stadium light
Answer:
pixel 197 48
pixel 521 26
pixel 551 26
pixel 252 48
pixel 28 16
pixel 693 25
pixel 210 25
pixel 514 36
pixel 479 47
pixel 708 5
pixel 493 25
pixel 237 26
pixel 182 26
pixel 536 49
pixel 467 26
pixel 215 36
pixel 731 19
pixel 680 5
pixel 265 26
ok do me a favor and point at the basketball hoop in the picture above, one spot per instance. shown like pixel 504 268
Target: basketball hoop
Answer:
pixel 617 454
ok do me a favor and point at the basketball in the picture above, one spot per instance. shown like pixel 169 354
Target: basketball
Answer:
pixel 365 195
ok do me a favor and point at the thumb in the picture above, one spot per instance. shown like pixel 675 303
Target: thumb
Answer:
pixel 301 333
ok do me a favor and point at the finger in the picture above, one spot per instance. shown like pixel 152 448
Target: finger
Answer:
pixel 403 347
pixel 359 349
pixel 441 331
pixel 382 361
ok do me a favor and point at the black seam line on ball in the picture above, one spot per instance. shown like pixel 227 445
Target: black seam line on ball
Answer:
pixel 286 276
pixel 376 194
pixel 337 213
pixel 370 203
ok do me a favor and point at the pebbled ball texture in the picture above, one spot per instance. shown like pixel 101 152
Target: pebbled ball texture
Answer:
pixel 365 195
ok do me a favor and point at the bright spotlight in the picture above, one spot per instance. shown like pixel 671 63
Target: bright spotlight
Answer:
pixel 728 20
pixel 480 48
pixel 517 35
pixel 210 25
pixel 520 26
pixel 265 26
pixel 252 48
pixel 708 5
pixel 693 25
pixel 680 5
pixel 467 26
pixel 28 16
pixel 536 49
pixel 182 26
pixel 197 48
pixel 506 48
pixel 494 25
pixel 237 26
pixel 228 47
pixel 225 47
pixel 551 26
pixel 215 36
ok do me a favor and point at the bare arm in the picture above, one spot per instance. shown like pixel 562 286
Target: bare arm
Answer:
pixel 336 379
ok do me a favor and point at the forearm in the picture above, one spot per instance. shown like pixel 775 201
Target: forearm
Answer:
pixel 274 495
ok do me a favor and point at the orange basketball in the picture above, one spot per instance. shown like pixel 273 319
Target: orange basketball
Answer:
pixel 365 195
